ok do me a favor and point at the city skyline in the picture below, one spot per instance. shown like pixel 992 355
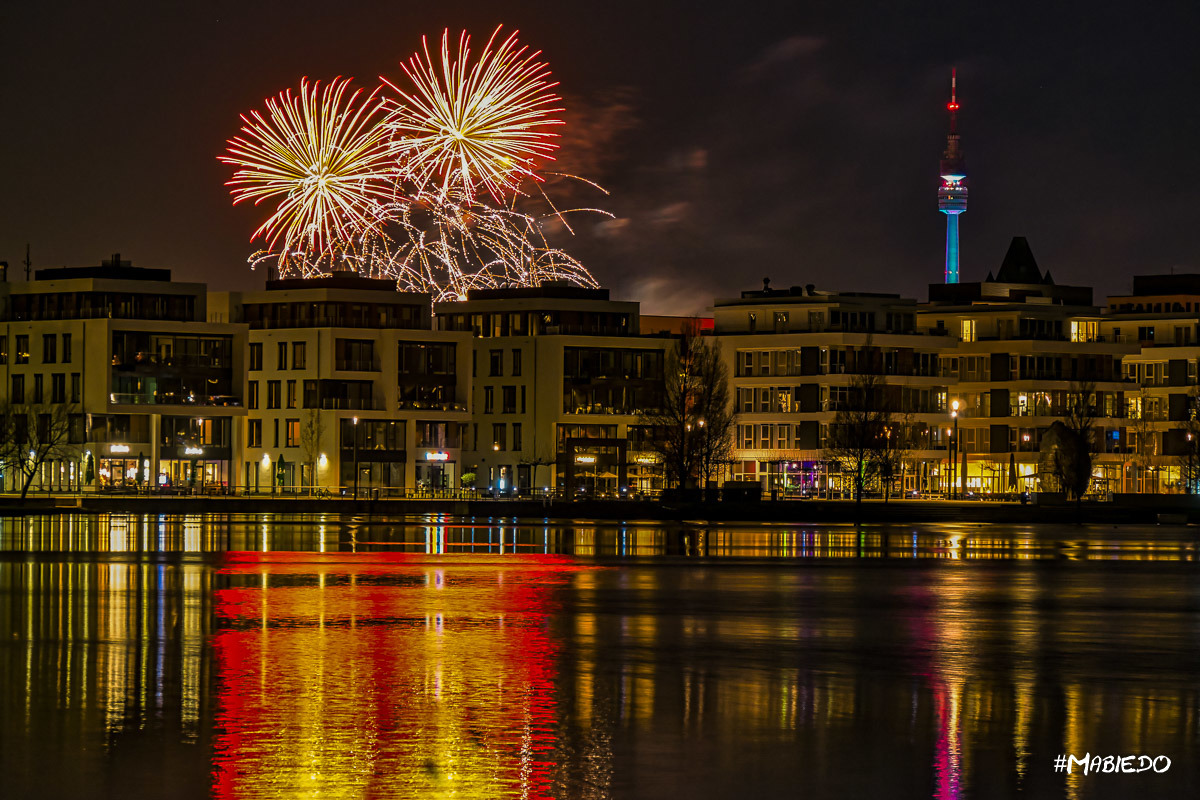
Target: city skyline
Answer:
pixel 799 143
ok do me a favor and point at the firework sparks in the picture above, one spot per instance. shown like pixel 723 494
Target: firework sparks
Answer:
pixel 323 154
pixel 426 190
pixel 483 124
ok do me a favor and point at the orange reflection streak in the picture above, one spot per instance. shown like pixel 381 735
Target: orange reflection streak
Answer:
pixel 385 675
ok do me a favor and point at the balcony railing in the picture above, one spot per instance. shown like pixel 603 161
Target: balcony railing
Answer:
pixel 348 403
pixel 358 365
pixel 173 399
pixel 423 405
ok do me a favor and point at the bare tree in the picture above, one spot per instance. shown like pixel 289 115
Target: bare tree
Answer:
pixel 1069 446
pixel 311 433
pixel 33 435
pixel 893 451
pixel 859 433
pixel 693 425
pixel 1145 442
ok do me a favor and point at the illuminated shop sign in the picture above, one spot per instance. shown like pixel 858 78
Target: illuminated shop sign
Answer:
pixel 193 451
pixel 585 459
pixel 118 448
pixel 437 456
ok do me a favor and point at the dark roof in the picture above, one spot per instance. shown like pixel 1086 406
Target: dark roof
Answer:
pixel 337 280
pixel 546 290
pixel 1020 266
pixel 1183 283
pixel 123 272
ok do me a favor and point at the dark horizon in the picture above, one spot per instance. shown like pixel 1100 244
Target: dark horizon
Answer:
pixel 800 145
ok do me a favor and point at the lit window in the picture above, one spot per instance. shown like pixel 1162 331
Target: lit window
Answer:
pixel 968 330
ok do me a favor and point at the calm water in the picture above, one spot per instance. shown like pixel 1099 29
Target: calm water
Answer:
pixel 323 657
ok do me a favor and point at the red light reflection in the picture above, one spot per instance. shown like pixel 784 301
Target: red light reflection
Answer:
pixel 385 675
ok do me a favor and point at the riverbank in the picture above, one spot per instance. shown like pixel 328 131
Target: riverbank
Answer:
pixel 1129 509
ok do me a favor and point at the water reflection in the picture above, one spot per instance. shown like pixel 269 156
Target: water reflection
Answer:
pixel 390 677
pixel 440 657
pixel 99 660
pixel 440 535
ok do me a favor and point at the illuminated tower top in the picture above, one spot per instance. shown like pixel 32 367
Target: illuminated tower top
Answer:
pixel 952 194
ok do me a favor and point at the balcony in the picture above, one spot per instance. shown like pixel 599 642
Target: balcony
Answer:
pixel 357 365
pixel 173 399
pixel 425 405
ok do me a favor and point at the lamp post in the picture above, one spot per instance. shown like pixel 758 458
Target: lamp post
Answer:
pixel 355 458
pixel 954 451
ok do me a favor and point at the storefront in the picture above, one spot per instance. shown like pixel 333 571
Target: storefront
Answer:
pixel 121 468
pixel 436 471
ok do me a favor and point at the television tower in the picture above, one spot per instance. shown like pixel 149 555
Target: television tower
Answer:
pixel 952 194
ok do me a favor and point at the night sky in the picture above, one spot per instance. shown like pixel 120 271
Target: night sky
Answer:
pixel 793 140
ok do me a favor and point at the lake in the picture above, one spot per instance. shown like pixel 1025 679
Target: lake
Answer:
pixel 318 656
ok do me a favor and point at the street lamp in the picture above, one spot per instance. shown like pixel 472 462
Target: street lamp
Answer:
pixel 954 451
pixel 356 458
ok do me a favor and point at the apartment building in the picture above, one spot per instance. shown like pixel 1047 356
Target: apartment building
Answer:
pixel 560 377
pixel 348 384
pixel 151 391
pixel 793 357
pixel 1162 318
pixel 1024 347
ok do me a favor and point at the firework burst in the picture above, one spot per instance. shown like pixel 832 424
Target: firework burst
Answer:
pixel 437 188
pixel 322 153
pixel 470 125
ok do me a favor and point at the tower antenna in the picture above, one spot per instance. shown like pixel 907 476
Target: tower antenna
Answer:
pixel 952 194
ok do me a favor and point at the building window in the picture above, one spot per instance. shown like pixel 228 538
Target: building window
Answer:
pixel 968 330
pixel 291 394
pixel 66 359
pixel 252 395
pixel 293 433
pixel 273 394
pixel 781 322
pixel 499 434
pixel 1084 330
pixel 1145 334
pixel 255 356
pixel 474 364
pixel 516 436
pixel 496 363
pixel 76 388
pixel 509 399
pixel 282 363
pixel 275 423
pixel 254 433
pixel 58 388
pixel 310 394
pixel 299 355
pixel 18 389
pixel 3 349
pixel 516 362
pixel 22 345
pixel 49 348
pixel 489 399
pixel 37 389
pixel 522 399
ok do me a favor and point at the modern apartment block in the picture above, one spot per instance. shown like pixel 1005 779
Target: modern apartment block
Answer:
pixel 345 373
pixel 151 391
pixel 561 375
pixel 1161 318
pixel 1024 347
pixel 794 357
